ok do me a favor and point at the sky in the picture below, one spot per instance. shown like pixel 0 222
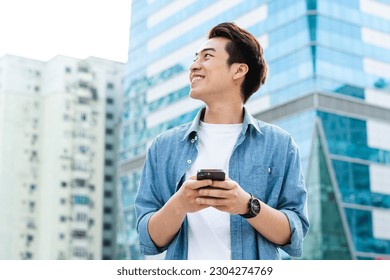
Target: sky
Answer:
pixel 42 29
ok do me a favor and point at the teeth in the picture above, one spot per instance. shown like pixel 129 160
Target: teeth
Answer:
pixel 197 78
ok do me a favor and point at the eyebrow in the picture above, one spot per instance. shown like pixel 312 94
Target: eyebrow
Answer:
pixel 205 50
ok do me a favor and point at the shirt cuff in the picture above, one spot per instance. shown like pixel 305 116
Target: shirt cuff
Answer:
pixel 294 248
pixel 147 246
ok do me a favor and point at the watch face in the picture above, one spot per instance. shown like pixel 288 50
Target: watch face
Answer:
pixel 255 206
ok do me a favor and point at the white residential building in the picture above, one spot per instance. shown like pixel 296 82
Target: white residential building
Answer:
pixel 58 127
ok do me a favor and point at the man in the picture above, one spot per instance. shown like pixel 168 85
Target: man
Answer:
pixel 261 205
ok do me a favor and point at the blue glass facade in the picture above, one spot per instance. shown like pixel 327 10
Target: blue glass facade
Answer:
pixel 311 46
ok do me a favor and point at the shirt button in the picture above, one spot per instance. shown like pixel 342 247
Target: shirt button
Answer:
pixel 192 141
pixel 189 161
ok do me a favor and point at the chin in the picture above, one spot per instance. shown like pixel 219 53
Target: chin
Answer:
pixel 194 95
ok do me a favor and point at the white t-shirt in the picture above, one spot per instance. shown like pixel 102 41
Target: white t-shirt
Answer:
pixel 209 229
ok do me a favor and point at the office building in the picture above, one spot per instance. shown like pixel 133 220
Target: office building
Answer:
pixel 328 85
pixel 58 127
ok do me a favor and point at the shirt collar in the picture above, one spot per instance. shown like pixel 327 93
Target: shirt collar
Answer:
pixel 249 120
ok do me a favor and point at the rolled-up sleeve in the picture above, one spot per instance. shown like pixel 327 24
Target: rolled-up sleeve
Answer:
pixel 147 202
pixel 293 202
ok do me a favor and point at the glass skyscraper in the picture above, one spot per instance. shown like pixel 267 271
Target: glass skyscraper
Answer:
pixel 328 85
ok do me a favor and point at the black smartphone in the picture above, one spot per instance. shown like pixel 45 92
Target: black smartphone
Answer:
pixel 213 174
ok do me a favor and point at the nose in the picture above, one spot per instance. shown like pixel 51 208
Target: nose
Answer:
pixel 195 65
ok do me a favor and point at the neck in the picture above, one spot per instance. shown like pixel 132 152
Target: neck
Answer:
pixel 224 114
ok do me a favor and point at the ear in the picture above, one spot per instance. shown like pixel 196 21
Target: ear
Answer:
pixel 240 70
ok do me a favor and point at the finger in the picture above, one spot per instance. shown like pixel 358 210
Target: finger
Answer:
pixel 197 184
pixel 211 201
pixel 214 192
pixel 227 185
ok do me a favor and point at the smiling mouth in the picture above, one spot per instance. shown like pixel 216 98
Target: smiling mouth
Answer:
pixel 196 79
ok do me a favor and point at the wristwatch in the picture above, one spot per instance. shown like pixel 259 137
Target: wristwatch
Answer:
pixel 254 208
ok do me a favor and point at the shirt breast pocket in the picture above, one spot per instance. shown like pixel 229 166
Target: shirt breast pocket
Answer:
pixel 266 183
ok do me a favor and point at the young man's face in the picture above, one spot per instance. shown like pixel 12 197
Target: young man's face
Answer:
pixel 210 76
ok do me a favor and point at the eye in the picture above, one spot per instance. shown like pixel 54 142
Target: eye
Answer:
pixel 207 55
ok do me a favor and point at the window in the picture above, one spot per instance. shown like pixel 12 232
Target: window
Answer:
pixel 107 210
pixel 108 178
pixel 80 252
pixel 110 86
pixel 107 226
pixel 62 219
pixel 109 131
pixel 79 234
pixel 79 182
pixel 34 139
pixel 110 100
pixel 109 116
pixel 83 149
pixel 33 156
pixel 109 147
pixel 80 132
pixel 80 166
pixel 63 184
pixel 107 193
pixel 83 84
pixel 83 117
pixel 28 256
pixel 94 93
pixel 61 255
pixel 31 204
pixel 81 217
pixel 31 225
pixel 68 70
pixel 109 162
pixel 83 100
pixel 83 68
pixel 106 242
pixel 81 199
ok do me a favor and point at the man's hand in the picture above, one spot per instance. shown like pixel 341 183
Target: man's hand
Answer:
pixel 187 195
pixel 227 196
pixel 166 222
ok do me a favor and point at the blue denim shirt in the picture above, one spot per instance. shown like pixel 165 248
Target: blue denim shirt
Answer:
pixel 265 162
